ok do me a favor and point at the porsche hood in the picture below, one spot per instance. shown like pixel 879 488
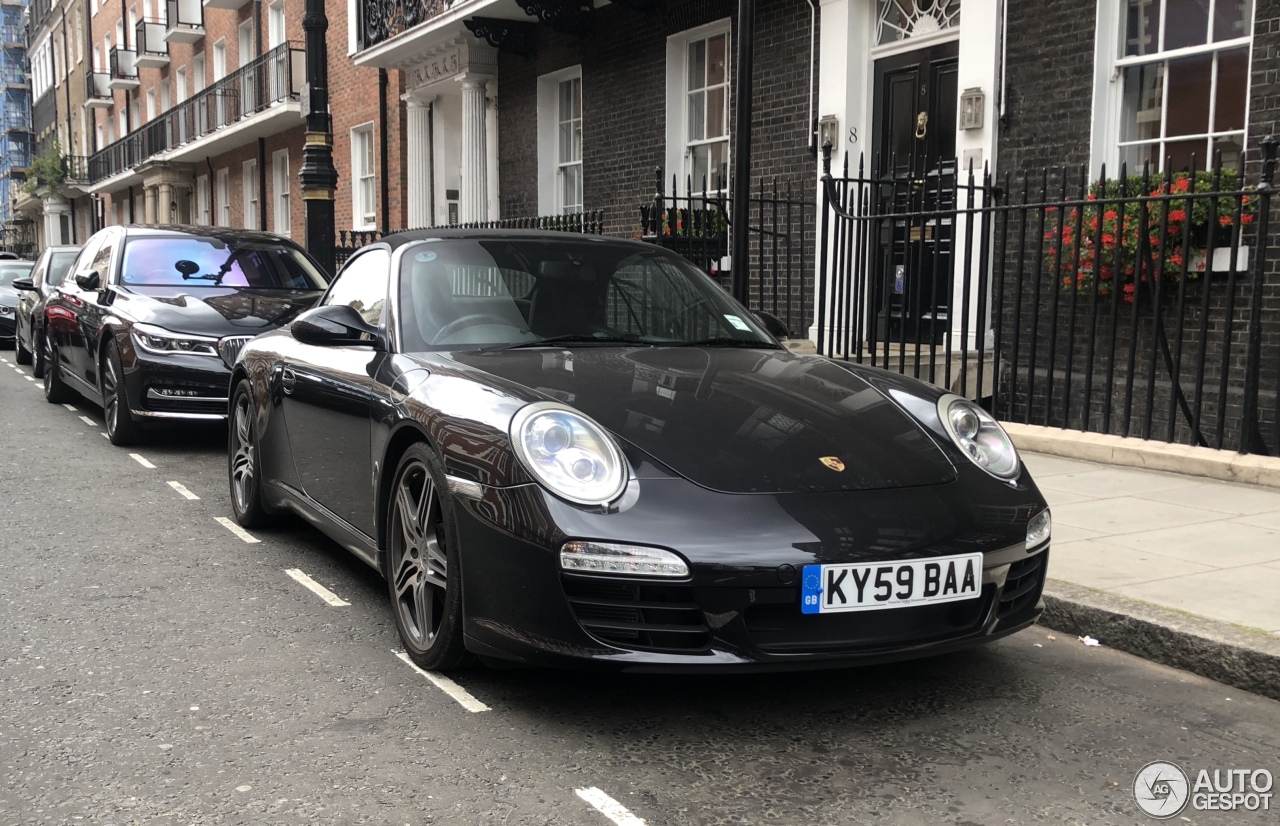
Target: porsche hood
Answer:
pixel 733 420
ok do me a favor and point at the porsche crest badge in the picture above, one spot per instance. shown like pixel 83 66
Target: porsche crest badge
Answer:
pixel 832 462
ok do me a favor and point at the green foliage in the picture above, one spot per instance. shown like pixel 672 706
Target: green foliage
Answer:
pixel 47 172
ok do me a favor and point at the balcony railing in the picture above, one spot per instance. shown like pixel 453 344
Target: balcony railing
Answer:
pixel 97 89
pixel 124 74
pixel 184 21
pixel 77 168
pixel 152 48
pixel 273 78
pixel 381 20
pixel 13 35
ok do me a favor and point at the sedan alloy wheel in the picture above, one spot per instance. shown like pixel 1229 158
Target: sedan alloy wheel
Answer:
pixel 121 427
pixel 243 464
pixel 55 389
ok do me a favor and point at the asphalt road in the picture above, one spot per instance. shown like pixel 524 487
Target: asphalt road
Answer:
pixel 156 668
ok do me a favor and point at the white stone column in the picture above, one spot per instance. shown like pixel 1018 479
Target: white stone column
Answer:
pixel 474 197
pixel 419 183
pixel 491 156
pixel 164 207
pixel 55 208
pixel 149 205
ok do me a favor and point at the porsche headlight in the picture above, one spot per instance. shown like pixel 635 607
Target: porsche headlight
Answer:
pixel 568 453
pixel 159 340
pixel 979 436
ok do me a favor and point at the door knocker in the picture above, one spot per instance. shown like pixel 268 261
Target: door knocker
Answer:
pixel 922 123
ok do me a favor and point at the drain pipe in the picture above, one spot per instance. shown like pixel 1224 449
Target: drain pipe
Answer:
pixel 813 36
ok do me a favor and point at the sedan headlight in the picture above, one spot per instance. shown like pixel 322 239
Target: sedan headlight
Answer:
pixel 8 310
pixel 979 436
pixel 164 342
pixel 568 453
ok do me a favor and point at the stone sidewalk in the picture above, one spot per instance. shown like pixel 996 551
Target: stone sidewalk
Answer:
pixel 1179 565
pixel 1186 543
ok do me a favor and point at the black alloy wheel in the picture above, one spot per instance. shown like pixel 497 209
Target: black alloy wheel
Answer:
pixel 424 577
pixel 243 463
pixel 40 362
pixel 122 429
pixel 56 390
pixel 21 354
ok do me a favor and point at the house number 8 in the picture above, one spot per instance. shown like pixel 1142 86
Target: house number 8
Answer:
pixel 853 134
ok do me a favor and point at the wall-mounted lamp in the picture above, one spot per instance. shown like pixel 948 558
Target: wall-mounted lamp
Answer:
pixel 829 131
pixel 972 106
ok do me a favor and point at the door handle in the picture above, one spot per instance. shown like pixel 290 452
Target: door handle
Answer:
pixel 288 380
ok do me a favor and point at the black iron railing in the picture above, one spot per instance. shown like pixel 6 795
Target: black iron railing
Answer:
pixel 589 222
pixel 381 20
pixel 781 226
pixel 273 78
pixel 76 168
pixel 1132 305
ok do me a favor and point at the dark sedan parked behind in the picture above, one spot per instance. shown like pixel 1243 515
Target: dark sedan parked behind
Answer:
pixel 572 450
pixel 151 319
pixel 50 270
pixel 10 272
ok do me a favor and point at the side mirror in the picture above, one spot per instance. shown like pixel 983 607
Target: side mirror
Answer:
pixel 90 281
pixel 24 284
pixel 773 324
pixel 334 325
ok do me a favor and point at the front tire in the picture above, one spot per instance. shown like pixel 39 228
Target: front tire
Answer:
pixel 21 354
pixel 122 429
pixel 55 389
pixel 243 463
pixel 40 363
pixel 424 576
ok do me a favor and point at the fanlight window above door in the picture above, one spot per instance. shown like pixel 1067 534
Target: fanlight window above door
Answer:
pixel 898 20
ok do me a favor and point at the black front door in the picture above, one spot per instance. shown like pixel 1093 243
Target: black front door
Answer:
pixel 914 141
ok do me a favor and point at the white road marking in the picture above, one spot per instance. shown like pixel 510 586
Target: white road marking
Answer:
pixel 608 807
pixel 88 421
pixel 104 434
pixel 138 458
pixel 180 488
pixel 446 685
pixel 316 588
pixel 70 407
pixel 28 378
pixel 237 530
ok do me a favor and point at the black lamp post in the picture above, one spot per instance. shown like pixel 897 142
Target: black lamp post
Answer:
pixel 318 175
pixel 741 149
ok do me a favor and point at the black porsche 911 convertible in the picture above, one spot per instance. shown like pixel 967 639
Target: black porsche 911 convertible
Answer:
pixel 571 450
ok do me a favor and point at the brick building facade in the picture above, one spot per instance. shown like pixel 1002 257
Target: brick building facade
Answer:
pixel 197 117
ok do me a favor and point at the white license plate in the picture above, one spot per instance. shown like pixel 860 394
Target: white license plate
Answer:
pixel 871 586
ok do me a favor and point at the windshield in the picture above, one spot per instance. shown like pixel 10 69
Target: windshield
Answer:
pixel 11 272
pixel 59 263
pixel 210 262
pixel 511 292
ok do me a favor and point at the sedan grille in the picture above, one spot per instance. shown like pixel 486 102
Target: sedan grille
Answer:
pixel 229 348
pixel 638 615
pixel 1023 585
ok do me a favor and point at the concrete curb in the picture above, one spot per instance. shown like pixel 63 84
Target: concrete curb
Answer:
pixel 1139 453
pixel 1241 658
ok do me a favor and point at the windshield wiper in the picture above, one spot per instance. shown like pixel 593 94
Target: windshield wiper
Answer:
pixel 570 338
pixel 725 341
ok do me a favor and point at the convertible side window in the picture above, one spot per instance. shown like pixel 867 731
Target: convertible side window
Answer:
pixel 363 285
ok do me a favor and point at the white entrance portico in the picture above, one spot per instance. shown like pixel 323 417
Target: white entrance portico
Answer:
pixel 452 134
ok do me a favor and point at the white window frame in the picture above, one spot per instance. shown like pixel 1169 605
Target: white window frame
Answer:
pixel 249 190
pixel 678 160
pixel 364 178
pixel 222 197
pixel 280 183
pixel 203 218
pixel 151 105
pixel 1108 84
pixel 550 190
